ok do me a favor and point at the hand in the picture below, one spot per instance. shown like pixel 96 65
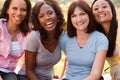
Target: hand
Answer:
pixel 56 77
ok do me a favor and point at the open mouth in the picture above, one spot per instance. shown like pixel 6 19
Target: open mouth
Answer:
pixel 49 24
pixel 18 19
pixel 101 15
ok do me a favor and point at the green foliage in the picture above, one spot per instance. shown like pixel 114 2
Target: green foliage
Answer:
pixel 1 3
pixel 116 1
pixel 64 2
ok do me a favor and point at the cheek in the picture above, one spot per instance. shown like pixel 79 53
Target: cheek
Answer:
pixel 55 19
pixel 73 21
pixel 24 14
pixel 110 15
pixel 88 21
pixel 10 12
pixel 94 13
pixel 87 18
pixel 95 17
pixel 41 21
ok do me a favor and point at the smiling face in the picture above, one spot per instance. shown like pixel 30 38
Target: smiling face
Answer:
pixel 102 11
pixel 80 19
pixel 47 17
pixel 17 11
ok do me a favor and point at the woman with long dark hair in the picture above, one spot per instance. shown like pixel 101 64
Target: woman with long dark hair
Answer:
pixel 42 50
pixel 14 27
pixel 106 21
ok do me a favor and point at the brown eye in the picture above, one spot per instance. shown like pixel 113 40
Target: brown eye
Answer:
pixel 95 9
pixel 104 7
pixel 41 16
pixel 82 13
pixel 73 15
pixel 14 8
pixel 23 10
pixel 50 12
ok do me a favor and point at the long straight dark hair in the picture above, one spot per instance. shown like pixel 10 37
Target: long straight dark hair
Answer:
pixel 113 29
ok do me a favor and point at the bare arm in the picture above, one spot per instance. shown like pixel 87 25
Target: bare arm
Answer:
pixel 97 67
pixel 1 78
pixel 64 67
pixel 30 60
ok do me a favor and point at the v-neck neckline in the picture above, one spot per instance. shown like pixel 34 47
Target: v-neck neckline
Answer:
pixel 82 48
pixel 48 50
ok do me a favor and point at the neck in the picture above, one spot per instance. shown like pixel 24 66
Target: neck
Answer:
pixel 12 29
pixel 106 27
pixel 51 35
pixel 82 35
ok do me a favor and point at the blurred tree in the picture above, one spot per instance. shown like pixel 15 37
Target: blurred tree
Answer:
pixel 64 2
pixel 1 3
pixel 34 0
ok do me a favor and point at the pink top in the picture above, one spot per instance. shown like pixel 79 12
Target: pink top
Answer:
pixel 7 61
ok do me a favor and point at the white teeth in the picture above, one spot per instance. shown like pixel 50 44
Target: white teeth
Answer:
pixel 102 15
pixel 48 23
pixel 17 18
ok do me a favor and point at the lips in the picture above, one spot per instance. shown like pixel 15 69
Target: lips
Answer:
pixel 18 18
pixel 101 16
pixel 49 24
pixel 81 23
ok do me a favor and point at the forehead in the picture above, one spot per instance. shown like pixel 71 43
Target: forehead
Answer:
pixel 100 2
pixel 78 9
pixel 20 3
pixel 45 7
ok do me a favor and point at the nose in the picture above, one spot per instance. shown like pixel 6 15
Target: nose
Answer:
pixel 79 18
pixel 47 17
pixel 100 9
pixel 19 12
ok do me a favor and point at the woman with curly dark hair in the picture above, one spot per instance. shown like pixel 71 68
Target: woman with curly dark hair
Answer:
pixel 42 50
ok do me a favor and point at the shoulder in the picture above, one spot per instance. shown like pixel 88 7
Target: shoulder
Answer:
pixel 34 34
pixel 2 25
pixel 99 37
pixel 98 34
pixel 63 35
pixel 2 22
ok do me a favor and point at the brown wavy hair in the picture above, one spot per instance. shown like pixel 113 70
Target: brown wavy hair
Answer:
pixel 36 23
pixel 24 25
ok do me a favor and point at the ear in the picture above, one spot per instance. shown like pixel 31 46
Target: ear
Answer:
pixel 7 11
pixel 58 20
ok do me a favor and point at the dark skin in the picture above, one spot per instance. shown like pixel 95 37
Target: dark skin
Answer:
pixel 50 43
pixel 30 57
pixel 48 20
pixel 47 44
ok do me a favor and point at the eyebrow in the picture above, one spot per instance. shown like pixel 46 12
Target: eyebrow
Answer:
pixel 101 4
